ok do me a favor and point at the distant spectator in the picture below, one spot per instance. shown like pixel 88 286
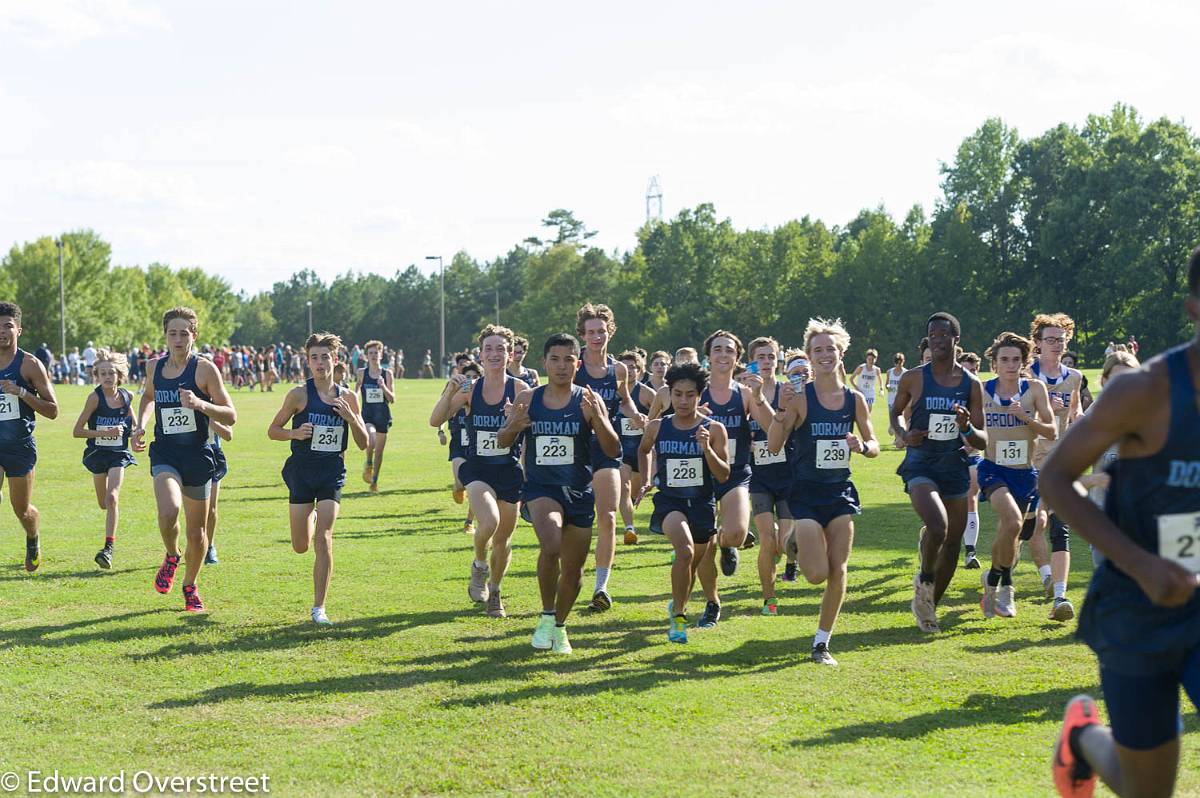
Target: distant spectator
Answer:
pixel 43 354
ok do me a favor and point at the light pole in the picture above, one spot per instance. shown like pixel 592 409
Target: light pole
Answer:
pixel 497 304
pixel 62 300
pixel 309 303
pixel 442 283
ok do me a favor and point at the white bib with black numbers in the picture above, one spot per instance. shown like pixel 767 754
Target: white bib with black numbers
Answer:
pixel 628 430
pixel 833 453
pixel 1179 539
pixel 552 450
pixel 463 438
pixel 685 472
pixel 1012 453
pixel 486 444
pixel 327 439
pixel 114 442
pixel 943 427
pixel 9 411
pixel 374 395
pixel 731 448
pixel 763 456
pixel 178 420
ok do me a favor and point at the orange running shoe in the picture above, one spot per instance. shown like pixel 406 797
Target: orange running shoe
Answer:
pixel 1073 777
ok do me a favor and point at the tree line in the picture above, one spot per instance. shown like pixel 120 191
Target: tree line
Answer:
pixel 1096 220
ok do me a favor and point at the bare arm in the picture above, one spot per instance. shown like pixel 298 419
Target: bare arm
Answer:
pixel 224 432
pixel 785 421
pixel 517 421
pixel 596 413
pixel 865 442
pixel 453 399
pixel 45 403
pixel 389 392
pixel 346 405
pixel 646 457
pixel 220 408
pixel 89 407
pixel 714 448
pixel 293 403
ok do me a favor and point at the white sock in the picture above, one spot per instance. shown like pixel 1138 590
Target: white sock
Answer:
pixel 315 610
pixel 821 637
pixel 629 527
pixel 602 578
pixel 481 565
pixel 1044 571
pixel 971 535
pixel 1060 590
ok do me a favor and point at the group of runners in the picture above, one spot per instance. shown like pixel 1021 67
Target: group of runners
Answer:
pixel 763 437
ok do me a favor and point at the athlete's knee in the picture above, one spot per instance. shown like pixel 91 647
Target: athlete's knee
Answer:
pixel 299 546
pixel 111 498
pixel 1060 534
pixel 935 532
pixel 1009 527
pixel 816 574
pixel 684 555
pixel 1028 527
pixel 27 515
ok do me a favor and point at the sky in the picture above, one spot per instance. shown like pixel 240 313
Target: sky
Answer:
pixel 255 139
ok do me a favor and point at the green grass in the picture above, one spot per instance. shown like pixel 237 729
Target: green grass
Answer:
pixel 416 692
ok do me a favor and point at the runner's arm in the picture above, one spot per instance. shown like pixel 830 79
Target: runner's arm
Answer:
pixel 81 430
pixel 293 403
pixel 45 402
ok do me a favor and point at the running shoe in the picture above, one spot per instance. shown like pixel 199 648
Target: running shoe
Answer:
pixel 712 614
pixel 559 642
pixel 789 573
pixel 729 560
pixel 987 602
pixel 368 472
pixel 210 558
pixel 459 494
pixel 468 527
pixel 320 618
pixel 191 599
pixel 821 655
pixel 166 573
pixel 677 633
pixel 33 554
pixel 601 601
pixel 542 632
pixel 495 607
pixel 631 536
pixel 1074 777
pixel 104 557
pixel 770 607
pixel 971 562
pixel 1063 610
pixel 923 607
pixel 1006 601
pixel 477 589
pixel 751 540
pixel 373 488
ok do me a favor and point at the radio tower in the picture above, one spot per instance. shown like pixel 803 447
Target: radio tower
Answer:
pixel 654 205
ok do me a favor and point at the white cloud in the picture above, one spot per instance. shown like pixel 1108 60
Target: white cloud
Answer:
pixel 63 23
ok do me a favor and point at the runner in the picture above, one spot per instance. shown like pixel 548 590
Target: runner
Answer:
pixel 771 473
pixel 686 354
pixel 868 378
pixel 516 365
pixel 819 423
pixel 660 361
pixel 491 473
pixel 557 422
pixel 458 440
pixel 106 422
pixel 1071 361
pixel 970 361
pixel 321 412
pixel 610 379
pixel 183 391
pixel 631 438
pixel 734 405
pixel 799 373
pixel 375 384
pixel 689 451
pixel 947 408
pixel 219 432
pixel 1016 413
pixel 1142 612
pixel 893 382
pixel 1052 334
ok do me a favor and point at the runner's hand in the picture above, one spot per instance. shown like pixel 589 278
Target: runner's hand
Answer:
pixel 302 432
pixel 518 416
pixel 441 437
pixel 1166 583
pixel 189 400
pixel 341 406
pixel 853 442
pixel 704 438
pixel 137 440
pixel 9 386
pixel 963 417
pixel 915 437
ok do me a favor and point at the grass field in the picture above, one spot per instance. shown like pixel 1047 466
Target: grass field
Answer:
pixel 416 692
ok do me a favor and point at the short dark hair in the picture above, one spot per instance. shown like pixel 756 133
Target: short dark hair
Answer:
pixel 11 309
pixel 687 371
pixel 1193 273
pixel 949 318
pixel 561 339
pixel 471 366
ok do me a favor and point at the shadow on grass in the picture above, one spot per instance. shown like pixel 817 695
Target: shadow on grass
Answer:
pixel 51 636
pixel 17 572
pixel 978 710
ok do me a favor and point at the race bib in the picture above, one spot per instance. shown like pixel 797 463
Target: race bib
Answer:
pixel 833 453
pixel 463 438
pixel 374 395
pixel 1179 539
pixel 685 472
pixel 486 444
pixel 943 427
pixel 731 449
pixel 628 430
pixel 327 439
pixel 114 442
pixel 178 420
pixel 8 407
pixel 763 456
pixel 1012 453
pixel 551 450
